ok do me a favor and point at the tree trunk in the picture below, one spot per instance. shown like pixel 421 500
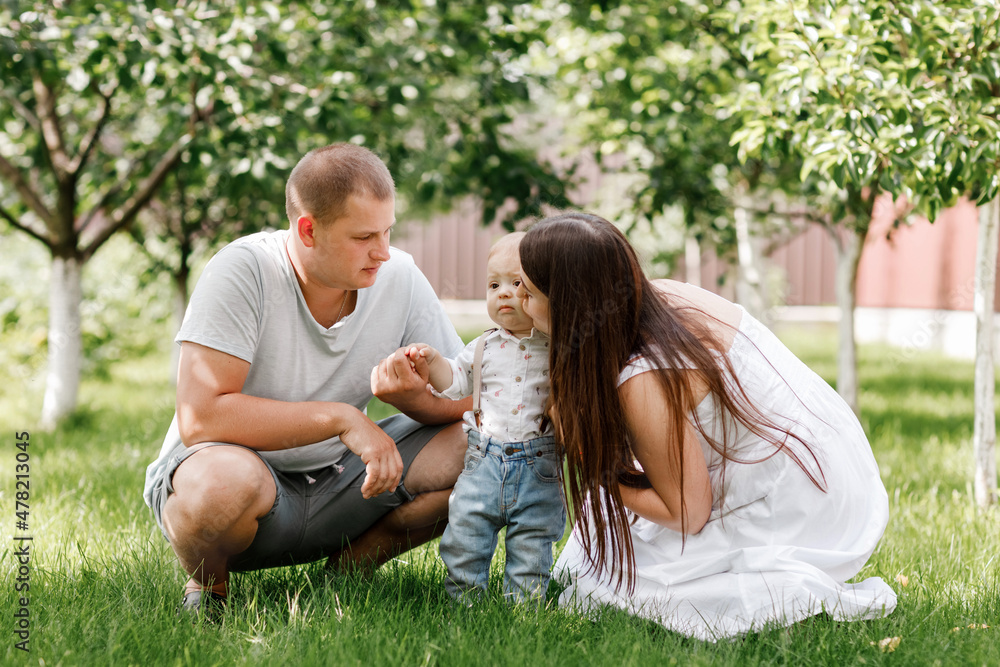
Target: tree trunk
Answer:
pixel 984 432
pixel 62 379
pixel 749 282
pixel 849 246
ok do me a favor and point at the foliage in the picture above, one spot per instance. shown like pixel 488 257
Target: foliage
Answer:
pixel 23 278
pixel 108 101
pixel 952 57
pixel 437 91
pixel 648 86
pixel 101 92
pixel 102 98
pixel 641 86
pixel 234 93
pixel 898 97
pixel 871 97
pixel 824 97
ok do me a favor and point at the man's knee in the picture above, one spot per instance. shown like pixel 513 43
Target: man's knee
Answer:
pixel 216 488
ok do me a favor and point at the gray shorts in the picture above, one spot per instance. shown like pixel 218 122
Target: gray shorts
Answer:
pixel 315 513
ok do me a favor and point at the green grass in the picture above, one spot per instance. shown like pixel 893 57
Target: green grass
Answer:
pixel 104 584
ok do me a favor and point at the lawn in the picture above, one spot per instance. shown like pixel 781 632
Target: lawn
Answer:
pixel 104 584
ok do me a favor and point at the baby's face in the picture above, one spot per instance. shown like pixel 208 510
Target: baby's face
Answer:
pixel 503 277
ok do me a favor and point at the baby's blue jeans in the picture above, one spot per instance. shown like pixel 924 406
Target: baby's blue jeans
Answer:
pixel 512 484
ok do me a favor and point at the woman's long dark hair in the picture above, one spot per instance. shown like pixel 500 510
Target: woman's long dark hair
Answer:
pixel 602 311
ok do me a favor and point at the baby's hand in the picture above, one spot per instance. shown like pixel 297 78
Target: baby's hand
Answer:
pixel 429 363
pixel 421 352
pixel 421 356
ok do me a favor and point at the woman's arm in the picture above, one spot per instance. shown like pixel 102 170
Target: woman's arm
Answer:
pixel 649 417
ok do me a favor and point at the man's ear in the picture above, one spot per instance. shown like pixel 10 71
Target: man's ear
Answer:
pixel 306 229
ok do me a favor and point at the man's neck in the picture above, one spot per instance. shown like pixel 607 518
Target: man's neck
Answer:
pixel 326 304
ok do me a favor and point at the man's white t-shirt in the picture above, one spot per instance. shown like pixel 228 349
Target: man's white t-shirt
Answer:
pixel 248 304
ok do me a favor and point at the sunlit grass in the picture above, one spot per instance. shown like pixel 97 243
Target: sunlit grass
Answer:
pixel 105 584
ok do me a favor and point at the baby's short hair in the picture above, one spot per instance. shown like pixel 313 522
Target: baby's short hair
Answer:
pixel 514 238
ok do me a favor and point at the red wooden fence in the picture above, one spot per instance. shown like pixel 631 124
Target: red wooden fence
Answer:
pixel 918 266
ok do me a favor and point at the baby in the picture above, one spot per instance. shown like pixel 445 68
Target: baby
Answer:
pixel 511 476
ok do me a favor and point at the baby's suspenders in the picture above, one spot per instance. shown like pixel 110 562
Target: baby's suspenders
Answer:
pixel 477 374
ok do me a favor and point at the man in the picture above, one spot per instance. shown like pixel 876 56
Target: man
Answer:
pixel 270 459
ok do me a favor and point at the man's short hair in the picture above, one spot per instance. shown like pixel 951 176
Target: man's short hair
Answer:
pixel 324 178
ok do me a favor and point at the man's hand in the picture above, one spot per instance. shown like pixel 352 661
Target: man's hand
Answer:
pixel 400 380
pixel 403 384
pixel 377 451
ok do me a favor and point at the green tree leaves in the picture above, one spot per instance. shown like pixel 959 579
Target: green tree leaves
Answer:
pixel 900 97
pixel 648 82
pixel 106 102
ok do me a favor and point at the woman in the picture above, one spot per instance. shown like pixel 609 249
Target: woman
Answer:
pixel 719 485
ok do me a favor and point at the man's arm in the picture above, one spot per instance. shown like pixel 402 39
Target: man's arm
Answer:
pixel 212 408
pixel 404 385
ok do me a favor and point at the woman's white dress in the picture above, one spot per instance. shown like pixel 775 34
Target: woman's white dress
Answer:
pixel 776 549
